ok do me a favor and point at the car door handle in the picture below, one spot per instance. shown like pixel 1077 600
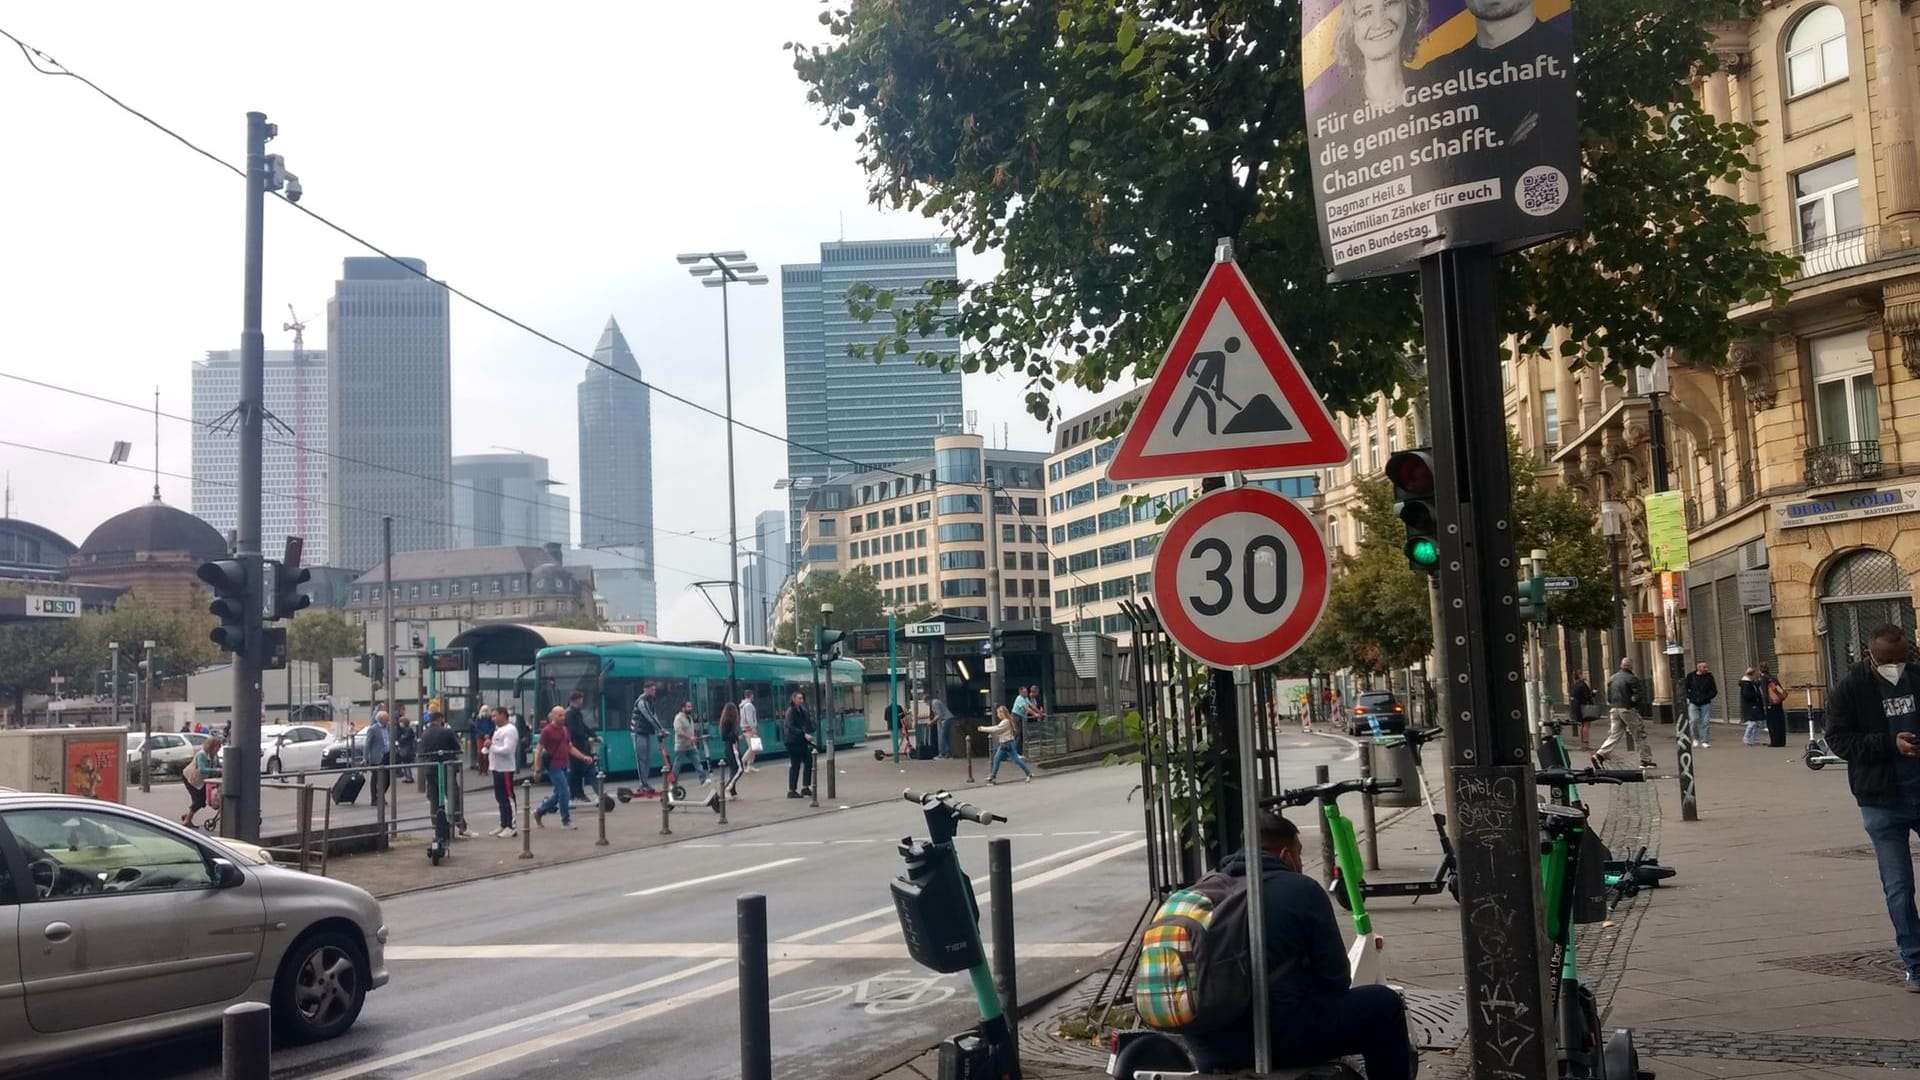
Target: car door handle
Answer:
pixel 58 931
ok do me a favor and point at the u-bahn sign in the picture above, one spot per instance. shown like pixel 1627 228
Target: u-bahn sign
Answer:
pixel 1241 577
pixel 39 607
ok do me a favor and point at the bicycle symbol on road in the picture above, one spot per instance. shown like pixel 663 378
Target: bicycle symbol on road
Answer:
pixel 885 994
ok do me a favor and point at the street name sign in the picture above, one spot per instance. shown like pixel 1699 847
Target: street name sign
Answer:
pixel 1229 396
pixel 1241 577
pixel 925 630
pixel 1562 584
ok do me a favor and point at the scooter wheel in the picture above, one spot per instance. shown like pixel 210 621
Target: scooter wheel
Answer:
pixel 1620 1060
pixel 607 803
pixel 435 854
pixel 1813 760
pixel 679 793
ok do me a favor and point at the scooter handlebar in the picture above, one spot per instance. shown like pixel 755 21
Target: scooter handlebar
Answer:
pixel 1303 795
pixel 1569 777
pixel 961 810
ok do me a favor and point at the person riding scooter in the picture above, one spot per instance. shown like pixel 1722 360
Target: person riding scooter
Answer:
pixel 1315 1013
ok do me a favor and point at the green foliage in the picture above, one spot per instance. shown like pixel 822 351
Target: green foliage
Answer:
pixel 1100 147
pixel 572 620
pixel 1555 519
pixel 181 646
pixel 856 601
pixel 31 653
pixel 1378 615
pixel 319 635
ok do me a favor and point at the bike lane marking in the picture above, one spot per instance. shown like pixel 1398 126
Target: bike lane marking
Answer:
pixel 678 885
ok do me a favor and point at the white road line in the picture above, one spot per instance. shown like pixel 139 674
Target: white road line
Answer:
pixel 379 1064
pixel 892 929
pixel 713 950
pixel 716 877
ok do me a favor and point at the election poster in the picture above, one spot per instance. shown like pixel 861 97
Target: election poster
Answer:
pixel 1437 124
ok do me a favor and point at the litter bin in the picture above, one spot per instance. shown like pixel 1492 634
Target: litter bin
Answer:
pixel 926 740
pixel 1396 763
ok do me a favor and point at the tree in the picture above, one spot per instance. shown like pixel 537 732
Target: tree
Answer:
pixel 181 644
pixel 1378 616
pixel 1100 147
pixel 1555 519
pixel 31 653
pixel 856 601
pixel 320 635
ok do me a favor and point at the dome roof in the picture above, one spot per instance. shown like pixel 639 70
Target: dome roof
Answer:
pixel 153 527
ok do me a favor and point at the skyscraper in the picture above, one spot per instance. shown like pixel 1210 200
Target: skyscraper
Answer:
pixel 616 464
pixel 761 578
pixel 504 500
pixel 294 468
pixel 841 406
pixel 389 410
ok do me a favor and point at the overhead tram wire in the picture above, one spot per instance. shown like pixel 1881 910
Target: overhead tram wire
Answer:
pixel 530 541
pixel 452 485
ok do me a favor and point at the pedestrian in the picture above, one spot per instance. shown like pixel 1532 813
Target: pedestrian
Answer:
pixel 205 766
pixel 1580 698
pixel 798 735
pixel 379 751
pixel 923 727
pixel 1753 707
pixel 944 721
pixel 730 749
pixel 1626 694
pixel 1776 698
pixel 1872 721
pixel 645 727
pixel 502 748
pixel 750 728
pixel 582 736
pixel 686 744
pixel 557 755
pixel 1699 690
pixel 404 740
pixel 526 741
pixel 439 744
pixel 1021 704
pixel 1006 745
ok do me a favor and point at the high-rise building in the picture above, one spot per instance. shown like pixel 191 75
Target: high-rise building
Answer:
pixel 761 577
pixel 500 500
pixel 294 466
pixel 616 474
pixel 843 407
pixel 389 410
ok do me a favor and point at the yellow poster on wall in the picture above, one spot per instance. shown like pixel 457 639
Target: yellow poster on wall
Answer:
pixel 1666 531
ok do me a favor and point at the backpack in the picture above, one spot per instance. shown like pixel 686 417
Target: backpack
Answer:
pixel 1776 694
pixel 1194 975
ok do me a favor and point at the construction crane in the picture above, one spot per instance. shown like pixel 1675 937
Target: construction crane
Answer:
pixel 299 329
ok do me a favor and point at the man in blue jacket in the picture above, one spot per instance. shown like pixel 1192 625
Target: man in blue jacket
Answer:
pixel 1314 1012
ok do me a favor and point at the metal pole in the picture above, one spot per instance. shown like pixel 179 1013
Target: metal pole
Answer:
pixel 526 818
pixel 1618 634
pixel 388 673
pixel 1676 665
pixel 240 817
pixel 600 803
pixel 828 722
pixel 1510 1030
pixel 666 805
pixel 895 710
pixel 997 678
pixel 246 1042
pixel 1256 886
pixel 1000 890
pixel 756 1016
pixel 306 823
pixel 1368 818
pixel 1321 776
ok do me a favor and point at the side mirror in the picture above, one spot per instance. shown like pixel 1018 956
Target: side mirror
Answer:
pixel 225 874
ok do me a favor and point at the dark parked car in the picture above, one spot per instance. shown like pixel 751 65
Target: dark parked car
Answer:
pixel 1377 706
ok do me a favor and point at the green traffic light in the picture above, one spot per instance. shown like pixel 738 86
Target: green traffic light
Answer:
pixel 1423 552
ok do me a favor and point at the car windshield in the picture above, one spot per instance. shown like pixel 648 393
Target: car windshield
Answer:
pixel 76 853
pixel 1377 700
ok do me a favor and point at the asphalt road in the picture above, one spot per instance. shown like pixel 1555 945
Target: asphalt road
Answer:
pixel 624 966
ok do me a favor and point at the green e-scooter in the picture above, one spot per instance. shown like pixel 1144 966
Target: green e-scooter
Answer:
pixel 1366 959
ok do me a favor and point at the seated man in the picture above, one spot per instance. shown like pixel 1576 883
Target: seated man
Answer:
pixel 1313 1013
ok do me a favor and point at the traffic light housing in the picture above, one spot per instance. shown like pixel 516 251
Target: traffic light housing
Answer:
pixel 1411 472
pixel 1532 593
pixel 287 597
pixel 999 641
pixel 231 592
pixel 826 642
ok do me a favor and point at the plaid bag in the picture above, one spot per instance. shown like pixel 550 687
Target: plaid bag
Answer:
pixel 1193 974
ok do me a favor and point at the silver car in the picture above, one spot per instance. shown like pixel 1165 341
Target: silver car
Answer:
pixel 117 926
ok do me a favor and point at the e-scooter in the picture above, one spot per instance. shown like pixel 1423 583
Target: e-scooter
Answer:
pixel 940 920
pixel 1445 877
pixel 442 841
pixel 1623 877
pixel 1819 755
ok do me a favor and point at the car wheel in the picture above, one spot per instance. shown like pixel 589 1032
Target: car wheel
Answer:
pixel 273 765
pixel 321 986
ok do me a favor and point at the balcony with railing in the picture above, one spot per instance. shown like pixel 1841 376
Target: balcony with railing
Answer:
pixel 1844 463
pixel 1845 251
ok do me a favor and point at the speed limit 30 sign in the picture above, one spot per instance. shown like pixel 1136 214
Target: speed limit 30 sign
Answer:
pixel 1240 577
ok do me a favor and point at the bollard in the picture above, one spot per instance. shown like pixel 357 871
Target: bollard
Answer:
pixel 813 772
pixel 306 823
pixel 600 803
pixel 526 818
pixel 1689 795
pixel 756 1015
pixel 833 771
pixel 1366 808
pixel 379 806
pixel 666 807
pixel 1320 776
pixel 246 1042
pixel 1000 891
pixel 724 773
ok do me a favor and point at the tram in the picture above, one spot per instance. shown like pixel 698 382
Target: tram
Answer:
pixel 611 674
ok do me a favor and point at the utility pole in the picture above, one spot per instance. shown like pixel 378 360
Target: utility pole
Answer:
pixel 996 678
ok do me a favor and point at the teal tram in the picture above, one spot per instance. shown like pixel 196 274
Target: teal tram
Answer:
pixel 611 674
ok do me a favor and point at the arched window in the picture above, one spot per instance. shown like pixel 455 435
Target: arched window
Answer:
pixel 1816 50
pixel 1861 592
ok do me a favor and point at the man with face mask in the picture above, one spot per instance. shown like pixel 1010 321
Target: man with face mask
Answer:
pixel 1872 721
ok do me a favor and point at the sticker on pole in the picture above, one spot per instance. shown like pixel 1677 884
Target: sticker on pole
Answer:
pixel 1229 396
pixel 1241 577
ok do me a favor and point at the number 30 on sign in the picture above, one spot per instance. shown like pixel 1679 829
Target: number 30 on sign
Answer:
pixel 1241 577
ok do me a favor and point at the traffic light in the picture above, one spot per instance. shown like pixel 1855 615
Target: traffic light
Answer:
pixel 228 580
pixel 1532 592
pixel 273 647
pixel 826 642
pixel 287 597
pixel 999 641
pixel 1411 473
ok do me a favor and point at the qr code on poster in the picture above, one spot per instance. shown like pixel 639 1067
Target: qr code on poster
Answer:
pixel 1542 190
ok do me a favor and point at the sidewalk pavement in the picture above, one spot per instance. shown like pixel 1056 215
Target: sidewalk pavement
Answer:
pixel 862 781
pixel 1769 953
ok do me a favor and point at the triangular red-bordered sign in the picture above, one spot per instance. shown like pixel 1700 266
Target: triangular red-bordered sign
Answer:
pixel 1229 397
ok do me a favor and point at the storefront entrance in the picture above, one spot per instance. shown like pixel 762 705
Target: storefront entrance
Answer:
pixel 1863 591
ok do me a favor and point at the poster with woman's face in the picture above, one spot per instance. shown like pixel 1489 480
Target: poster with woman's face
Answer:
pixel 1437 124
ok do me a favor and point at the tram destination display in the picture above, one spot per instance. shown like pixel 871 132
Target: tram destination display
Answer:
pixel 1438 124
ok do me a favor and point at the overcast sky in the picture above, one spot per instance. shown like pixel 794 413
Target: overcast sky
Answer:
pixel 551 163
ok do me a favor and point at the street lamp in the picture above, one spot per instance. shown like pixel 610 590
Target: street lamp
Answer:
pixel 146 716
pixel 1612 523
